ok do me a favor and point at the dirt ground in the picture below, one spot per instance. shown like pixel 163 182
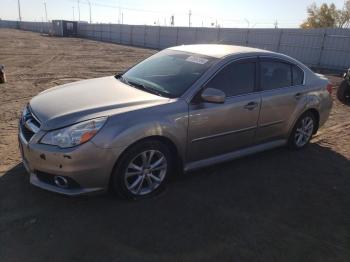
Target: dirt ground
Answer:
pixel 274 206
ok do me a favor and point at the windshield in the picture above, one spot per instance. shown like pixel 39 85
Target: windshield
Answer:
pixel 169 73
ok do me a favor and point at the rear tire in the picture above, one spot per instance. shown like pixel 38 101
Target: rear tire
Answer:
pixel 143 170
pixel 302 131
pixel 343 92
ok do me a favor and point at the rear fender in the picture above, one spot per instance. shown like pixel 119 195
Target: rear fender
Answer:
pixel 312 102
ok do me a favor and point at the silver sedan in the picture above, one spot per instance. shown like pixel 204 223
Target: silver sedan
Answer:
pixel 181 109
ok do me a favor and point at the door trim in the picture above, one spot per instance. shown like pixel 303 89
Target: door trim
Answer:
pixel 223 134
pixel 272 123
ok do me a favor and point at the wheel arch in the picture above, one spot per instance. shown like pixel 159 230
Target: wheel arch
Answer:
pixel 312 110
pixel 163 139
pixel 317 117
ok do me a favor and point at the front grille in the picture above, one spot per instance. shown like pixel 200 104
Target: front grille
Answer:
pixel 26 132
pixel 28 117
pixel 49 179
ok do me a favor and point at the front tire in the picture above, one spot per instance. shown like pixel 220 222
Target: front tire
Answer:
pixel 143 170
pixel 302 131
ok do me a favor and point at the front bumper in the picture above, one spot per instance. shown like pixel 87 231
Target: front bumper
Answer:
pixel 87 165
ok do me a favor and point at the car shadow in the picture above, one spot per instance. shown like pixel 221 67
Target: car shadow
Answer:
pixel 279 205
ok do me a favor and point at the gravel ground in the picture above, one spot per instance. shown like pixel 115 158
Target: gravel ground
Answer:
pixel 274 206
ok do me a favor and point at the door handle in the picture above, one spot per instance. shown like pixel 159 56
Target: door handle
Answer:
pixel 251 105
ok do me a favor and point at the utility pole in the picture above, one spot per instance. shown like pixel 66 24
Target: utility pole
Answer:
pixel 73 14
pixel 19 11
pixel 79 10
pixel 90 10
pixel 248 23
pixel 122 18
pixel 45 11
pixel 276 24
pixel 119 12
pixel 189 18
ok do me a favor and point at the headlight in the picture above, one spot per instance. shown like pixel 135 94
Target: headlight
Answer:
pixel 74 135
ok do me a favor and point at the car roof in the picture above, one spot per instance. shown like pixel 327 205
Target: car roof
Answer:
pixel 218 51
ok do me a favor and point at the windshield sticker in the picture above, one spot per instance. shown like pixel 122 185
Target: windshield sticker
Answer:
pixel 197 60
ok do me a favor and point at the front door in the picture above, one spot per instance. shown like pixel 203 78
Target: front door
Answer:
pixel 217 129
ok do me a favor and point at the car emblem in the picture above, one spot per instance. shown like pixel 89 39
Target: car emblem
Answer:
pixel 31 126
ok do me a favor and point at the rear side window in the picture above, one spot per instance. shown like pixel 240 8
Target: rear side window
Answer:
pixel 275 75
pixel 235 79
pixel 298 76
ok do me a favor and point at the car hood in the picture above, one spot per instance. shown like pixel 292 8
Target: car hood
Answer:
pixel 71 103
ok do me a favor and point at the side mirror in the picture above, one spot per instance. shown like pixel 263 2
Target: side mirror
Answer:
pixel 212 95
pixel 118 75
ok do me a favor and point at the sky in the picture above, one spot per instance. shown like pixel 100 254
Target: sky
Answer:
pixel 226 13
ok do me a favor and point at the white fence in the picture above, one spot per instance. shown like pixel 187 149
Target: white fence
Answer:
pixel 320 48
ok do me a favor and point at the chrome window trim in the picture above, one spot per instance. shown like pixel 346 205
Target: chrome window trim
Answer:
pixel 277 89
pixel 242 95
pixel 200 83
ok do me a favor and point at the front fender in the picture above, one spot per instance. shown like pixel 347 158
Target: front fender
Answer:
pixel 169 121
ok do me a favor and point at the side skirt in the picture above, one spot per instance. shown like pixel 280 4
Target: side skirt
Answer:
pixel 234 155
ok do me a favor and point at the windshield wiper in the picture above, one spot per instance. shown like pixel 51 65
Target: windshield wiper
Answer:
pixel 143 87
pixel 139 86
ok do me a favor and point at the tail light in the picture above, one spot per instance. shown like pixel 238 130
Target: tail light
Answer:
pixel 330 88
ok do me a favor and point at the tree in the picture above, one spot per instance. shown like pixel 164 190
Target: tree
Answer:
pixel 327 16
pixel 343 18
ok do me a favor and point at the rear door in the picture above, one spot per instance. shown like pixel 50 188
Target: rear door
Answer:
pixel 216 129
pixel 282 92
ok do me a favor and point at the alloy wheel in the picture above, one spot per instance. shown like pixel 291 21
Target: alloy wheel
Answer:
pixel 304 131
pixel 145 172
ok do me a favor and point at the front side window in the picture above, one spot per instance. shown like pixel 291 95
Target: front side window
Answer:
pixel 275 75
pixel 235 79
pixel 169 73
